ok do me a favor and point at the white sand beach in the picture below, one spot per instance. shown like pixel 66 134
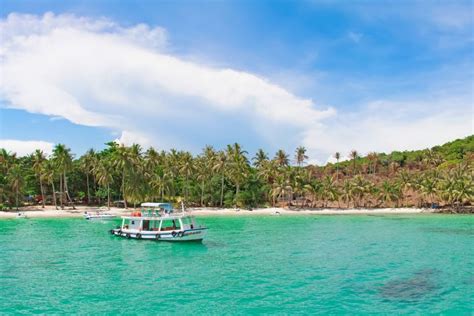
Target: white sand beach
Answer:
pixel 51 212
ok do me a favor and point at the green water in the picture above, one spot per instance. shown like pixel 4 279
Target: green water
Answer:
pixel 246 265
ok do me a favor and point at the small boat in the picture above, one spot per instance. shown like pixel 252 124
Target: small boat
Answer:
pixel 98 216
pixel 157 222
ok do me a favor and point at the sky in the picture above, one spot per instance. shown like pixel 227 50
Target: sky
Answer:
pixel 327 75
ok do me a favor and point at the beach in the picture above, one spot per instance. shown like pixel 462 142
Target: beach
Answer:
pixel 51 212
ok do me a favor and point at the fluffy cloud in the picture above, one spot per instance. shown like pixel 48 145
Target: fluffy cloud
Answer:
pixel 95 72
pixel 24 148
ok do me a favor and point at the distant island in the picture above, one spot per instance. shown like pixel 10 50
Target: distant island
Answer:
pixel 441 177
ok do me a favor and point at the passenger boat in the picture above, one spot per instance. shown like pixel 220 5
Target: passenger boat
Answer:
pixel 98 216
pixel 158 221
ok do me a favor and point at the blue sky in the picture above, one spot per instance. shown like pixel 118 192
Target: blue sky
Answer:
pixel 369 75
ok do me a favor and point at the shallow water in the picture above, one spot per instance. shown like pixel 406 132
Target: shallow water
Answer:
pixel 246 265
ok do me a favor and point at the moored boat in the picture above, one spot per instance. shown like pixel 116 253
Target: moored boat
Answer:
pixel 158 222
pixel 98 216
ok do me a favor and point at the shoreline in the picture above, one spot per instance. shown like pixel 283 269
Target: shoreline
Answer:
pixel 51 212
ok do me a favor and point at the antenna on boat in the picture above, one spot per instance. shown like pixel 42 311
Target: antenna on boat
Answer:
pixel 182 207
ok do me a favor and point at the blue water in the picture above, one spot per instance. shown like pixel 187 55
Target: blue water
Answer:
pixel 247 265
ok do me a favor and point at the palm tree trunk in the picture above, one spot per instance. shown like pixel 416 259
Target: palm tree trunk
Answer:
pixel 42 192
pixel 54 195
pixel 108 196
pixel 61 190
pixel 202 192
pixel 88 189
pixel 222 189
pixel 123 188
pixel 67 191
pixel 16 198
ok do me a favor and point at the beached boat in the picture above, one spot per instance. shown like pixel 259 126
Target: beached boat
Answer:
pixel 98 216
pixel 158 221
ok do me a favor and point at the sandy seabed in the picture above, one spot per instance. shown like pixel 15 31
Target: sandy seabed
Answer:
pixel 51 212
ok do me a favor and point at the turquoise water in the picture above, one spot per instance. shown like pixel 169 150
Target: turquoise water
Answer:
pixel 246 265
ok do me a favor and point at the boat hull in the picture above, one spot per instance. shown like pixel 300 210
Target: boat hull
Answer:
pixel 99 217
pixel 171 236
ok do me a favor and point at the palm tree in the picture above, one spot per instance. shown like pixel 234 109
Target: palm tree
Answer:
pixel 260 158
pixel 281 158
pixel 238 167
pixel 390 192
pixel 428 188
pixel 16 181
pixel 122 161
pixel 186 169
pixel 103 172
pixel 337 155
pixel 373 160
pixel 300 155
pixel 360 188
pixel 88 161
pixel 63 162
pixel 330 191
pixel 219 167
pixel 347 194
pixel 354 155
pixel 49 175
pixel 38 159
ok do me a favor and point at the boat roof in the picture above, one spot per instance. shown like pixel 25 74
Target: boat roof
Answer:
pixel 152 204
pixel 157 218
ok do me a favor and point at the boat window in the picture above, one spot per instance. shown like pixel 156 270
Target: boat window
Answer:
pixel 146 225
pixel 170 224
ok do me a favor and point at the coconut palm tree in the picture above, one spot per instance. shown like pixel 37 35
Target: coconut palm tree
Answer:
pixel 337 155
pixel 281 158
pixel 330 191
pixel 49 175
pixel 360 188
pixel 238 167
pixel 16 180
pixel 63 161
pixel 187 170
pixel 87 163
pixel 122 161
pixel 260 158
pixel 390 192
pixel 354 155
pixel 347 192
pixel 38 159
pixel 373 161
pixel 219 167
pixel 103 172
pixel 428 188
pixel 300 155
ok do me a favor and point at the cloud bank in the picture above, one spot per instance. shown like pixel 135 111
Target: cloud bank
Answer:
pixel 24 148
pixel 95 72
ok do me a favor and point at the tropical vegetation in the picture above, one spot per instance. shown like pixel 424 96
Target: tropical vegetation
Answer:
pixel 441 176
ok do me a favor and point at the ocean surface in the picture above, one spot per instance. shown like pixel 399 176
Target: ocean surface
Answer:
pixel 420 264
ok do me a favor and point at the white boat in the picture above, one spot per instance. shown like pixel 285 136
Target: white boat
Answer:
pixel 98 216
pixel 21 215
pixel 157 222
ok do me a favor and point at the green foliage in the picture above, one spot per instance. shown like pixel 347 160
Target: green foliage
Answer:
pixel 442 174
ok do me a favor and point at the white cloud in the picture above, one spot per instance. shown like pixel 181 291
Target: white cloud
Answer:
pixel 384 126
pixel 24 148
pixel 96 73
